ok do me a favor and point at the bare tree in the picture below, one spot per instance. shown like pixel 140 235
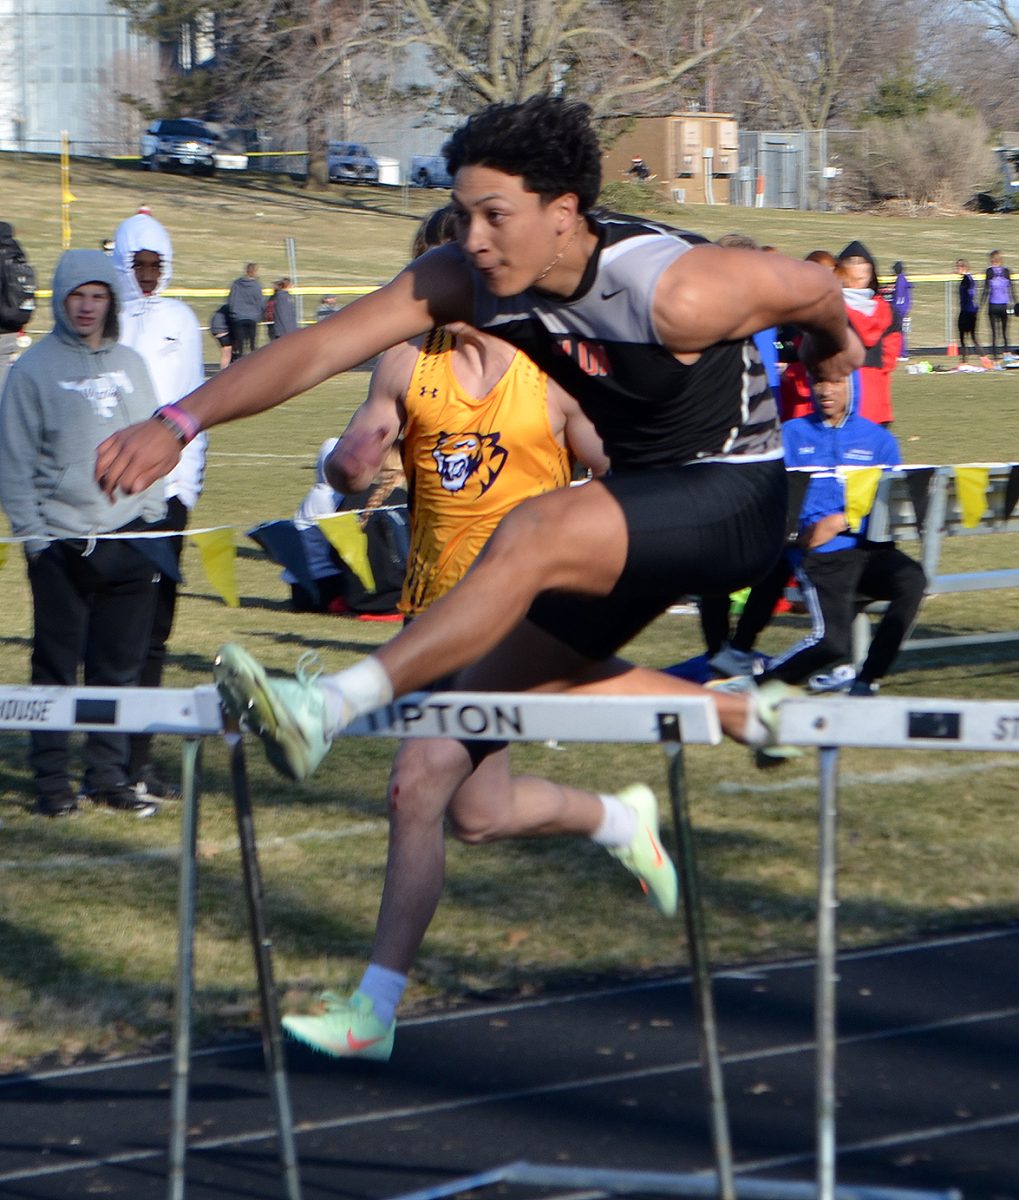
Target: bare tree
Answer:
pixel 816 59
pixel 295 65
pixel 616 54
pixel 1002 16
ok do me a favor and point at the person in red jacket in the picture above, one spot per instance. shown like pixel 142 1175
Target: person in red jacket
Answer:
pixel 872 319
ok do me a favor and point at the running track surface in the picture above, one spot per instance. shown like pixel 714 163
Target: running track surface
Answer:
pixel 928 1083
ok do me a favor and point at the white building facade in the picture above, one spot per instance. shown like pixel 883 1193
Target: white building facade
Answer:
pixel 62 66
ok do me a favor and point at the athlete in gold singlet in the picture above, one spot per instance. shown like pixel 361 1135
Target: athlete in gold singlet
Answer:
pixel 468 461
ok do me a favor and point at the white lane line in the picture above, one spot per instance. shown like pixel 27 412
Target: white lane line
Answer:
pixel 65 862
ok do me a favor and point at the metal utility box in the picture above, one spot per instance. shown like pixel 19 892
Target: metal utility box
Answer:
pixel 690 156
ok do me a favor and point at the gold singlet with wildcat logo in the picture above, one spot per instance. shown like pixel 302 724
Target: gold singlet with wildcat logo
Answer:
pixel 468 462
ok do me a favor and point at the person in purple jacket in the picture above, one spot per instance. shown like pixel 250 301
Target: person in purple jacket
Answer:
pixel 902 302
pixel 834 563
pixel 997 292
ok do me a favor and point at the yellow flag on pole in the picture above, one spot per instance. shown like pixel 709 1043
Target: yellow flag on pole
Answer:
pixel 861 487
pixel 345 535
pixel 3 555
pixel 216 547
pixel 971 485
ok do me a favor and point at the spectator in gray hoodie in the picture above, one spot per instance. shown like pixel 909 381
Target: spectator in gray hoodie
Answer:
pixel 244 304
pixel 92 596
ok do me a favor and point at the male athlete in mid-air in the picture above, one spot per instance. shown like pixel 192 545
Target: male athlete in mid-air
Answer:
pixel 650 331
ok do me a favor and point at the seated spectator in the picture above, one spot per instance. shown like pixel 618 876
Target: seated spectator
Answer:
pixel 319 579
pixel 834 563
pixel 328 306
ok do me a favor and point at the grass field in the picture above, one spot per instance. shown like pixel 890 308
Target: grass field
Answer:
pixel 87 928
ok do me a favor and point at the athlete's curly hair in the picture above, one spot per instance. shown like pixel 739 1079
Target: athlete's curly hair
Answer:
pixel 546 141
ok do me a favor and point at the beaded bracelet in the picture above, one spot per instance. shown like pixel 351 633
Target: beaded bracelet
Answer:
pixel 181 424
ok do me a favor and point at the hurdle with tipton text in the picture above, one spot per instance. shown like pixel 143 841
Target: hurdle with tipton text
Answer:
pixel 669 721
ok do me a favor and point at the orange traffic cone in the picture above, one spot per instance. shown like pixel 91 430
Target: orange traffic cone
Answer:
pixel 952 350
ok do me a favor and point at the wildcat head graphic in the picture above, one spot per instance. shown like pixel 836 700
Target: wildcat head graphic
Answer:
pixel 468 461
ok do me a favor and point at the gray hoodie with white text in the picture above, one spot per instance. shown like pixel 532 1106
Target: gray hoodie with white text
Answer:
pixel 60 400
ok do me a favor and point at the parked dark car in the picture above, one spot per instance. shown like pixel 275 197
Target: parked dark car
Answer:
pixel 352 162
pixel 179 142
pixel 188 144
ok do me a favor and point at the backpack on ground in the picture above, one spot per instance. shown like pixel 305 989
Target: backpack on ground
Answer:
pixel 17 283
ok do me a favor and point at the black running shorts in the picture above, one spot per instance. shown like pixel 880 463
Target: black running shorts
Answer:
pixel 699 529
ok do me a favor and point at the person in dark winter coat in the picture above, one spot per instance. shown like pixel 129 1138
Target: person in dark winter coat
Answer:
pixel 282 316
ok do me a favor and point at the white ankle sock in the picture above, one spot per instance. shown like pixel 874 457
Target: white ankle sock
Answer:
pixel 618 825
pixel 385 990
pixel 359 689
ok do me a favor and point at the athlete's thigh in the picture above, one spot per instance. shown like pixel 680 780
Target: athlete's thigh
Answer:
pixel 527 659
pixel 575 536
pixel 486 790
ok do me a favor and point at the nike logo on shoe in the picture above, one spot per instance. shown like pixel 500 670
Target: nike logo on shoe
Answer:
pixel 659 860
pixel 357 1045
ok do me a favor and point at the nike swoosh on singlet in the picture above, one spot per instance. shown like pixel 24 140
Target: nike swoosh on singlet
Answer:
pixel 608 293
pixel 359 1044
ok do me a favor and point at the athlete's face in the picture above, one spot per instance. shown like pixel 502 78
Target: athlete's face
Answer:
pixel 509 234
pixel 146 265
pixel 832 399
pixel 86 309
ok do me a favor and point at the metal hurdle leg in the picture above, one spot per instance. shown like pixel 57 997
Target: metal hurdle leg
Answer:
pixel 186 888
pixel 272 1038
pixel 827 971
pixel 693 916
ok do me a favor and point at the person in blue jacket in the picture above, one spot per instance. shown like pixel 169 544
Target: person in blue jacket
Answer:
pixel 835 564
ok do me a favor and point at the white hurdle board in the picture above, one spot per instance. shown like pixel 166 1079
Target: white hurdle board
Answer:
pixel 900 724
pixel 192 712
pixel 536 717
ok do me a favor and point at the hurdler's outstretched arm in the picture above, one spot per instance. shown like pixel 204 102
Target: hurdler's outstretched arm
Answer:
pixel 431 291
pixel 716 294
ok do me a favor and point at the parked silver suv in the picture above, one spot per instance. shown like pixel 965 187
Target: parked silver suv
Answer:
pixel 352 162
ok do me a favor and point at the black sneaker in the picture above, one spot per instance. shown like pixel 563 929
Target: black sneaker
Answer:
pixel 862 688
pixel 123 798
pixel 148 783
pixel 56 804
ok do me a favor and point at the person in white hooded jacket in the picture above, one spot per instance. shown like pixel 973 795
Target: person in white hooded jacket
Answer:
pixel 166 333
pixel 92 595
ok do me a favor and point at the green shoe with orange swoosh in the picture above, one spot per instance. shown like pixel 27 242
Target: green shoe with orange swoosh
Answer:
pixel 346 1028
pixel 645 856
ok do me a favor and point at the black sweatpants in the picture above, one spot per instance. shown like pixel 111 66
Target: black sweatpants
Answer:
pixel 92 610
pixel 830 584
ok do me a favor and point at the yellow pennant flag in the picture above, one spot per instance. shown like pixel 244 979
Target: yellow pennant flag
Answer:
pixel 3 555
pixel 216 547
pixel 348 539
pixel 971 485
pixel 861 488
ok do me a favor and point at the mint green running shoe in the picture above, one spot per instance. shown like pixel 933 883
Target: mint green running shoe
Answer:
pixel 347 1028
pixel 645 856
pixel 289 715
pixel 767 699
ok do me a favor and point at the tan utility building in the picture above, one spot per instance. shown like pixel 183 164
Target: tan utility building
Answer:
pixel 690 156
